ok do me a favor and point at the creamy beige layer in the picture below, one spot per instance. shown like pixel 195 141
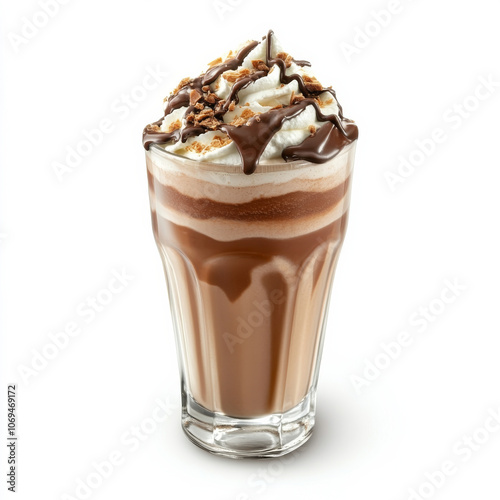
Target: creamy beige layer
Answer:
pixel 230 185
pixel 229 230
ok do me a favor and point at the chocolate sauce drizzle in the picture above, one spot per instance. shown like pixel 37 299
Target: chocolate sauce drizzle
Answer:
pixel 252 138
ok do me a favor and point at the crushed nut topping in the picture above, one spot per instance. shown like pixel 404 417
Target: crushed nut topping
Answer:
pixel 243 118
pixel 216 143
pixel 322 104
pixel 211 98
pixel 182 84
pixel 260 65
pixel 211 123
pixel 312 84
pixel 203 117
pixel 232 76
pixel 219 107
pixel 285 57
pixel 174 126
pixel 314 87
pixel 215 62
pixel 194 97
pixel 205 113
pixel 219 141
pixel 238 122
pixel 295 98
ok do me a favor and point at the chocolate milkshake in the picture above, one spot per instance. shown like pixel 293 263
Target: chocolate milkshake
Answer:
pixel 249 177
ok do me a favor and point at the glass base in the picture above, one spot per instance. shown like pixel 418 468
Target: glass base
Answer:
pixel 261 437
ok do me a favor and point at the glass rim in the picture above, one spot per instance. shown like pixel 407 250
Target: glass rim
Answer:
pixel 262 167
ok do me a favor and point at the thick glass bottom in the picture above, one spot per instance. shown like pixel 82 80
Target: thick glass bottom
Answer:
pixel 261 437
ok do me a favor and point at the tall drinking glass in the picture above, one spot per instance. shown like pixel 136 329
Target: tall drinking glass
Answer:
pixel 249 262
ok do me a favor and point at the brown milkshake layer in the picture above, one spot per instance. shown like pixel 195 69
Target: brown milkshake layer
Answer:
pixel 251 289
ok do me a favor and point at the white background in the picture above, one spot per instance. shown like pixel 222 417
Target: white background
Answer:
pixel 61 241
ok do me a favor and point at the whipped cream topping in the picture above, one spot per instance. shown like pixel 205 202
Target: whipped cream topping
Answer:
pixel 254 105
